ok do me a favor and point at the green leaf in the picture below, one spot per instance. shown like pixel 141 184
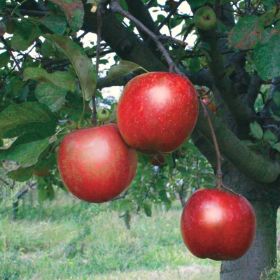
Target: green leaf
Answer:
pixel 74 12
pixel 270 137
pixel 81 63
pixel 45 190
pixel 122 69
pixel 56 24
pixel 268 3
pixel 276 98
pixel 26 154
pixel 276 147
pixel 21 174
pixel 268 17
pixel 147 209
pixel 15 86
pixel 256 130
pixel 123 205
pixel 62 79
pixel 267 58
pixel 25 34
pixel 50 95
pixel 48 49
pixel 2 5
pixel 4 59
pixel 194 64
pixel 19 119
pixel 246 33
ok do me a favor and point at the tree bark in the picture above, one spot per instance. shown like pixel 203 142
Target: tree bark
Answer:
pixel 262 255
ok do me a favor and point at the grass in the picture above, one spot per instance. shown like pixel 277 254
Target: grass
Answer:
pixel 68 239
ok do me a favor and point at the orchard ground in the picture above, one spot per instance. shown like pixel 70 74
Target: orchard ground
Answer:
pixel 68 239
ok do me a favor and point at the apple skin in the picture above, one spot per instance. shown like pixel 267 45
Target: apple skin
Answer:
pixel 157 111
pixel 218 225
pixel 95 163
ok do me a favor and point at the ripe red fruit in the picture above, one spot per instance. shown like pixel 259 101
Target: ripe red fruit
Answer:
pixel 95 163
pixel 157 111
pixel 217 224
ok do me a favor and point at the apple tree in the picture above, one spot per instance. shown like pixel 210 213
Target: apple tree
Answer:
pixel 229 49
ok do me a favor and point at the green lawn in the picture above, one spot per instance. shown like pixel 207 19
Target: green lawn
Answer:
pixel 68 239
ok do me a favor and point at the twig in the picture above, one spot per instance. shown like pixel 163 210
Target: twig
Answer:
pixel 219 174
pixel 171 13
pixel 116 7
pixel 172 39
pixel 39 13
pixel 82 35
pixel 10 51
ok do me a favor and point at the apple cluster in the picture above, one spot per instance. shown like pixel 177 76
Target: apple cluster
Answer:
pixel 156 113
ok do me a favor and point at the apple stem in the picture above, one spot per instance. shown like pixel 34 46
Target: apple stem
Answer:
pixel 228 189
pixel 219 173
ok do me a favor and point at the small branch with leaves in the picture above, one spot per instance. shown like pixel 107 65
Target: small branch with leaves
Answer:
pixel 116 8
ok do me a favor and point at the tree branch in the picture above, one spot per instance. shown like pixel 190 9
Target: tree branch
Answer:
pixel 171 13
pixel 116 7
pixel 253 165
pixel 253 90
pixel 123 41
pixel 241 112
pixel 139 11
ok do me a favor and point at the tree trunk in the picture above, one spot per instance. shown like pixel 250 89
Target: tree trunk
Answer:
pixel 262 254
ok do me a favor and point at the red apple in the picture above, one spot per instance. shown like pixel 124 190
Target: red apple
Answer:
pixel 157 111
pixel 95 163
pixel 218 224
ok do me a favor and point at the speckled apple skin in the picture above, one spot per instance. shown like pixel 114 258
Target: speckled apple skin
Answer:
pixel 157 111
pixel 217 224
pixel 95 164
